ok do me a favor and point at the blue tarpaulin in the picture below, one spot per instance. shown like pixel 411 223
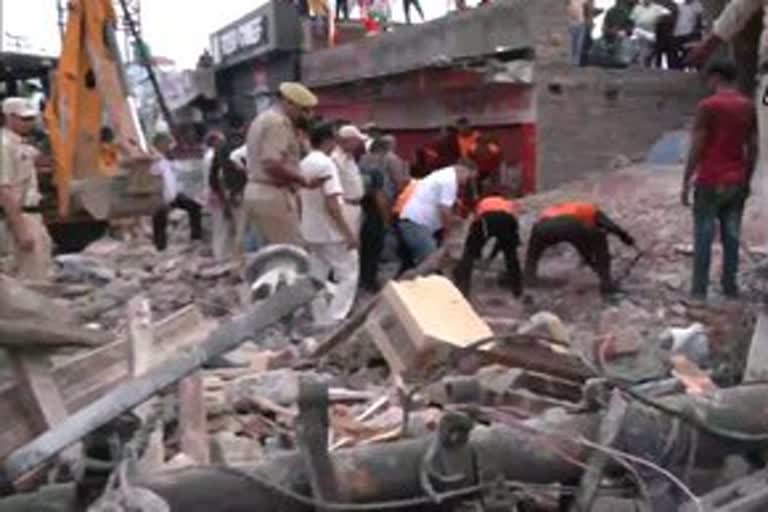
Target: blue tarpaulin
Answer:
pixel 671 149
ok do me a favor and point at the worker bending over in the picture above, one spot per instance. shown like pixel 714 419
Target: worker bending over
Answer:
pixel 495 219
pixel 583 226
pixel 427 213
pixel 172 197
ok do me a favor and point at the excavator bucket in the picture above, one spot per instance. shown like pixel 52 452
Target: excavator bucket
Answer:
pixel 90 87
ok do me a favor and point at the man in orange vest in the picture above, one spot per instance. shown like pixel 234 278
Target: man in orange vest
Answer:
pixel 495 218
pixel 586 228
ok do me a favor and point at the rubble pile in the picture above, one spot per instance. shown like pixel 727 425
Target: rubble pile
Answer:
pixel 645 201
pixel 100 280
pixel 562 397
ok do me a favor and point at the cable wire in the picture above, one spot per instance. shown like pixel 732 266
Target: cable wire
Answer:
pixel 639 460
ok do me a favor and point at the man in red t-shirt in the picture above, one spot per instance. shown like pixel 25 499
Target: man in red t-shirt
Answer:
pixel 720 167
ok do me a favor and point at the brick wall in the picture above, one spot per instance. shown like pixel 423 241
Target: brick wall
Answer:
pixel 590 118
pixel 550 28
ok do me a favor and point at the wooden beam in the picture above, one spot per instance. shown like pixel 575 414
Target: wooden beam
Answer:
pixel 757 361
pixel 193 424
pixel 35 334
pixel 141 342
pixel 41 397
pixel 86 376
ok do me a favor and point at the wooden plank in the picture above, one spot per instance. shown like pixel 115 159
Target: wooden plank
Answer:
pixel 757 361
pixel 41 396
pixel 87 376
pixel 140 335
pixel 141 343
pixel 26 334
pixel 193 425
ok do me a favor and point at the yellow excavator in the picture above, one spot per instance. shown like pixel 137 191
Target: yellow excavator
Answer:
pixel 90 91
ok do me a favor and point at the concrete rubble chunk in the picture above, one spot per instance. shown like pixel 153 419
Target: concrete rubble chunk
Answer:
pixel 279 386
pixel 230 449
pixel 76 267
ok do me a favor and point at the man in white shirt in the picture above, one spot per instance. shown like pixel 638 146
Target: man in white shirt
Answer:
pixel 163 143
pixel 326 230
pixel 688 27
pixel 429 210
pixel 349 143
pixel 646 16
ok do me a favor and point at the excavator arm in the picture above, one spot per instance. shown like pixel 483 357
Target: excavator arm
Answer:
pixel 90 87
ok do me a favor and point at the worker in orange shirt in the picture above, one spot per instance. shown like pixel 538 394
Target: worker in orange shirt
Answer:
pixel 488 156
pixel 495 219
pixel 478 147
pixel 586 228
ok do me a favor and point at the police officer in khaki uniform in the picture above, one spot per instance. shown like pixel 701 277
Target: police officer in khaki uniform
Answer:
pixel 19 192
pixel 274 150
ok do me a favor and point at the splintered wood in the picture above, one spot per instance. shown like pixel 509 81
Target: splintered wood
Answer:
pixel 415 319
pixel 82 378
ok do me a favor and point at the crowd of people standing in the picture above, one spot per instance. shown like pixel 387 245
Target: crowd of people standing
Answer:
pixel 651 33
pixel 337 190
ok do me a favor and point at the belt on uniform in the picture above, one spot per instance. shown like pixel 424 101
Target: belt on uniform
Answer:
pixel 353 202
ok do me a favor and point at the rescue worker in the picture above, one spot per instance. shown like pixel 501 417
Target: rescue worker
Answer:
pixel 403 253
pixel 227 183
pixel 172 197
pixel 495 219
pixel 376 214
pixel 585 227
pixel 20 196
pixel 486 153
pixel 427 215
pixel 274 150
pixel 329 235
pixel 466 137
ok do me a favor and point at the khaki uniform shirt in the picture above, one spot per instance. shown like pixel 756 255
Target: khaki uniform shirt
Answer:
pixel 271 137
pixel 17 168
pixel 736 15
